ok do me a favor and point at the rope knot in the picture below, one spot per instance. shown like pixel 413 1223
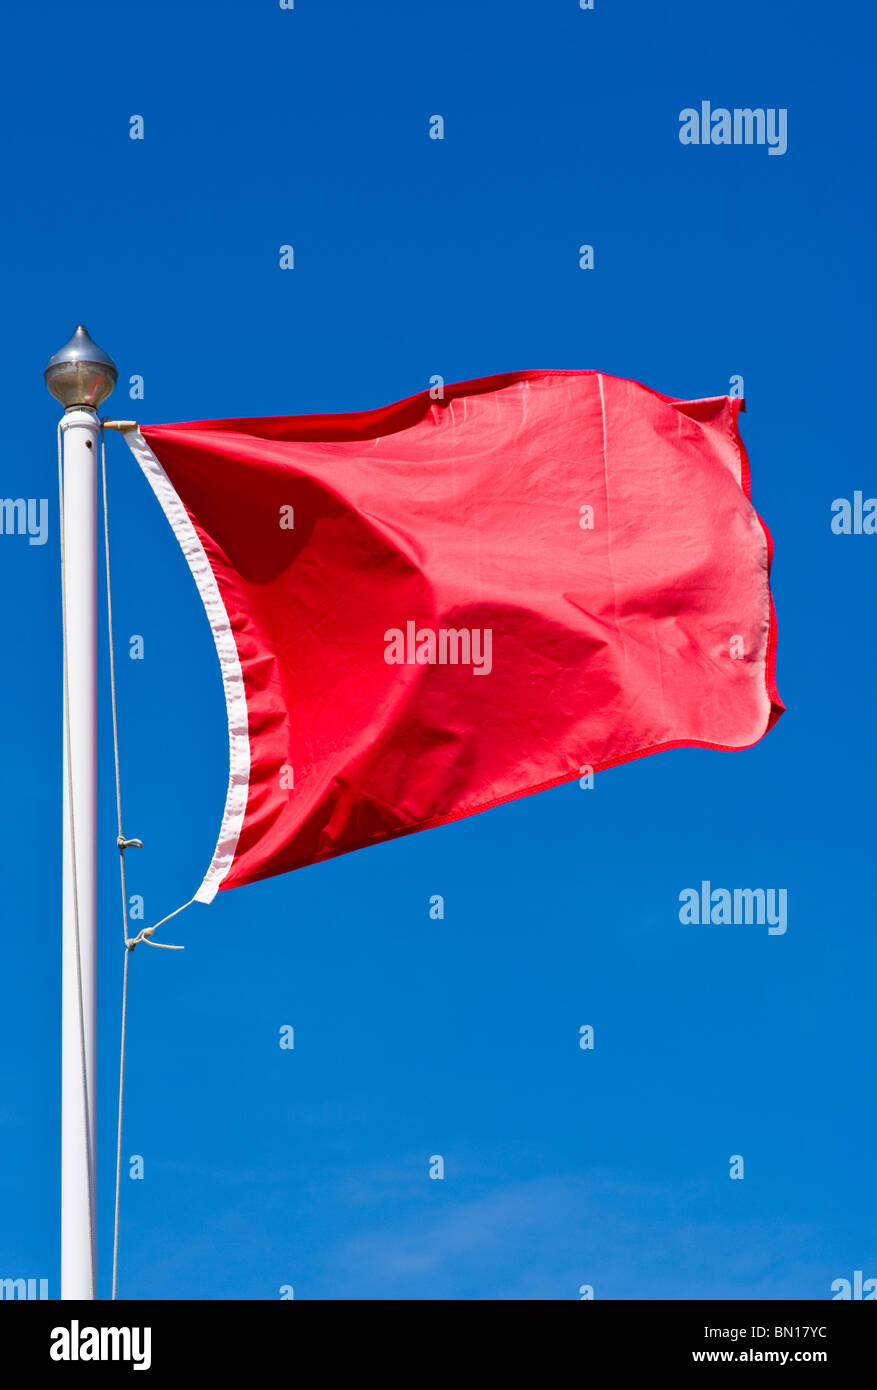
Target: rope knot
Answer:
pixel 145 935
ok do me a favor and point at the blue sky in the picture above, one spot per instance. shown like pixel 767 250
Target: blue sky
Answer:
pixel 412 257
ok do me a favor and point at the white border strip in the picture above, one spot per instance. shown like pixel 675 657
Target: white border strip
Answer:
pixel 229 662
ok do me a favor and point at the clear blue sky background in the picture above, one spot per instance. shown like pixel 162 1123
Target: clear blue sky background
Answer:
pixel 412 1038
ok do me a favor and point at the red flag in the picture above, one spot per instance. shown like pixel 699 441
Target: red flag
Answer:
pixel 424 610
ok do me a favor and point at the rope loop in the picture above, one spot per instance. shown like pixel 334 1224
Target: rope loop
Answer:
pixel 144 937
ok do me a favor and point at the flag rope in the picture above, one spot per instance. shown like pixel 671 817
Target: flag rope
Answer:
pixel 75 881
pixel 123 843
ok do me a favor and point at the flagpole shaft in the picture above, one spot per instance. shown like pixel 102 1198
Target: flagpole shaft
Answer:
pixel 80 429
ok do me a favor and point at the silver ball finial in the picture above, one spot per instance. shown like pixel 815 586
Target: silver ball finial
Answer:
pixel 80 373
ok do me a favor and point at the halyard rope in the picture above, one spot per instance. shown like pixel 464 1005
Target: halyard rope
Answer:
pixel 123 844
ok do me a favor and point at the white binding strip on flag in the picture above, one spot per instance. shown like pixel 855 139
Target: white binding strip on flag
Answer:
pixel 229 662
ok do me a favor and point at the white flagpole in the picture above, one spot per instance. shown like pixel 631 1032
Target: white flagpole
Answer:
pixel 80 376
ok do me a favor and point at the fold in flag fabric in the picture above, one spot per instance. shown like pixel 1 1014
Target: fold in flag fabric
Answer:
pixel 424 610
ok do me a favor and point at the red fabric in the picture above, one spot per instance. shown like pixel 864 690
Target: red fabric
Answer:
pixel 464 513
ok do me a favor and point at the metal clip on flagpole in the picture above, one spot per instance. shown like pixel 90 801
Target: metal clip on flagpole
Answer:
pixel 80 376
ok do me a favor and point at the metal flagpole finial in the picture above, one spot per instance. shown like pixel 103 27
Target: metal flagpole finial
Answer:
pixel 80 373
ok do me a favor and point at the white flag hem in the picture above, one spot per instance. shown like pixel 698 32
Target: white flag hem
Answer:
pixel 229 663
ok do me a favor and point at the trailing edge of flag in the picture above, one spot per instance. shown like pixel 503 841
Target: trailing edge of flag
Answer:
pixel 425 610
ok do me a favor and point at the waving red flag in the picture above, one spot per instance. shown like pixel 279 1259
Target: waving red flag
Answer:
pixel 424 610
